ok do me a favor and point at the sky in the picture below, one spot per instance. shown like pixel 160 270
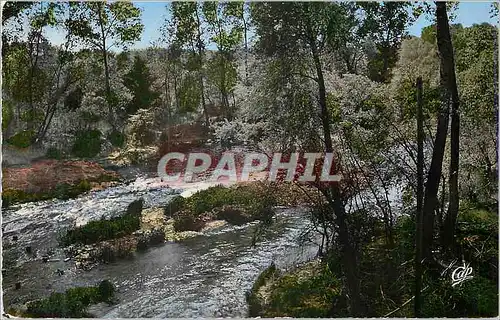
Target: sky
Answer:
pixel 154 14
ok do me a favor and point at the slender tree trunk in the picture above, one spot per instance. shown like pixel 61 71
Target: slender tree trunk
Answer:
pixel 245 30
pixel 104 53
pixel 34 64
pixel 420 197
pixel 167 97
pixel 449 83
pixel 199 45
pixel 334 194
pixel 435 169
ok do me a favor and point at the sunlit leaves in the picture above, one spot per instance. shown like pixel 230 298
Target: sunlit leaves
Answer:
pixel 102 25
pixel 189 94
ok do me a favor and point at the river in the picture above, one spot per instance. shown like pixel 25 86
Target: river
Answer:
pixel 204 276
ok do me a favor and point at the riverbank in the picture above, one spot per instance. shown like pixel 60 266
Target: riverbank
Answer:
pixel 202 276
pixel 317 289
pixel 47 179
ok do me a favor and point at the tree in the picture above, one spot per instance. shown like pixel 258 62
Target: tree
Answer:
pixel 138 81
pixel 38 75
pixel 225 21
pixel 386 24
pixel 291 31
pixel 449 80
pixel 11 9
pixel 186 29
pixel 102 26
pixel 449 94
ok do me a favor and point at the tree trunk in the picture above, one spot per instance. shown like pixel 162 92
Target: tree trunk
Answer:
pixel 199 46
pixel 108 87
pixel 449 83
pixel 348 252
pixel 435 169
pixel 104 53
pixel 420 197
pixel 246 48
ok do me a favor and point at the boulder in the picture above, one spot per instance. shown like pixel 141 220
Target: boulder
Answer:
pixel 234 215
pixel 184 221
pixel 135 207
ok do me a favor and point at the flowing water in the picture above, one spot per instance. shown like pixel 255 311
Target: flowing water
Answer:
pixel 205 276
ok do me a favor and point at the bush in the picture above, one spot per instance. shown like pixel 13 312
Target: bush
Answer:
pixel 106 290
pixel 22 139
pixel 101 230
pixel 54 153
pixel 254 304
pixel 117 138
pixel 175 205
pixel 477 297
pixel 87 144
pixel 309 294
pixel 244 202
pixel 7 114
pixel 71 304
pixel 218 196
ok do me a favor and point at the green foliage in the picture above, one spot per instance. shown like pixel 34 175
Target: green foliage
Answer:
pixel 174 206
pixel 89 117
pixel 62 191
pixel 71 304
pixel 254 304
pixel 117 138
pixel 87 143
pixel 7 113
pixel 189 94
pixel 311 296
pixel 237 205
pixel 74 98
pixel 120 22
pixel 476 297
pixel 218 196
pixel 222 73
pixel 30 116
pixel 100 230
pixel 138 81
pixel 106 290
pixel 54 153
pixel 22 139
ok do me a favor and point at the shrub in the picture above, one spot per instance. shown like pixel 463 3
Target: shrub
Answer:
pixel 22 139
pixel 116 138
pixel 218 196
pixel 54 153
pixel 175 205
pixel 7 114
pixel 87 144
pixel 101 230
pixel 66 191
pixel 244 202
pixel 254 304
pixel 62 191
pixel 311 294
pixel 71 304
pixel 477 297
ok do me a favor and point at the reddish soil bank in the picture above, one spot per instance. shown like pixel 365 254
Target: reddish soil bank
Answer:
pixel 43 176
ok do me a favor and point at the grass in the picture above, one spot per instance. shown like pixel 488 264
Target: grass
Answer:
pixel 62 191
pixel 249 203
pixel 101 230
pixel 310 291
pixel 387 278
pixel 71 304
pixel 254 305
